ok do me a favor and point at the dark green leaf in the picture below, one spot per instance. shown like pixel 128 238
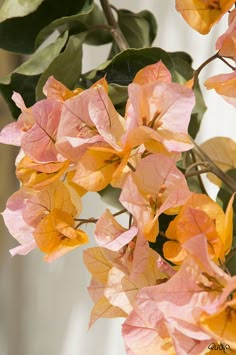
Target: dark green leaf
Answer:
pixel 110 195
pixel 164 221
pixel 139 29
pixel 21 8
pixel 89 17
pixel 66 67
pixel 29 72
pixel 23 84
pixel 41 59
pixel 18 34
pixel 123 67
pixel 231 264
pixel 183 72
pixel 224 196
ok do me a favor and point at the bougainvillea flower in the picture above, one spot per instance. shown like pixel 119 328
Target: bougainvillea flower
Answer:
pixel 200 214
pixel 172 312
pixel 155 187
pixel 160 111
pixel 99 263
pixel 47 219
pixel 114 282
pixel 102 307
pixel 110 234
pixel 224 85
pixel 54 89
pixel 13 132
pixel 100 166
pixel 221 325
pixel 55 234
pixel 121 290
pixel 86 119
pixel 226 44
pixel 37 175
pixel 203 14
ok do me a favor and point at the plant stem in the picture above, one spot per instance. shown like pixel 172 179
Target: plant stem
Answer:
pixel 213 57
pixel 115 29
pixel 199 69
pixel 230 255
pixel 201 184
pixel 120 212
pixel 225 61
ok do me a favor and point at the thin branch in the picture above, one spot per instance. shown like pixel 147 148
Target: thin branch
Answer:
pixel 196 164
pixel 115 29
pixel 94 220
pixel 225 61
pixel 201 184
pixel 131 166
pixel 198 172
pixel 230 182
pixel 199 69
pixel 120 212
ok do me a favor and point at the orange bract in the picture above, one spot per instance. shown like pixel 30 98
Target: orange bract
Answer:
pixel 203 14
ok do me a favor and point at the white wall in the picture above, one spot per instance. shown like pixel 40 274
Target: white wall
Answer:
pixel 45 308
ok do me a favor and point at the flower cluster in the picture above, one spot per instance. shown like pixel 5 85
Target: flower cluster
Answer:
pixel 178 300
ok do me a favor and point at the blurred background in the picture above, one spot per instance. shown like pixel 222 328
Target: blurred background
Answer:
pixel 45 308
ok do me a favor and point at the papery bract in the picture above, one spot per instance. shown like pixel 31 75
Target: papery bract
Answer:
pixel 203 14
pixel 224 85
pixel 55 234
pixel 152 73
pixel 171 312
pixel 45 219
pixel 155 187
pixel 54 89
pixel 77 130
pixel 110 234
pixel 164 110
pixel 200 214
pixel 226 44
pixel 16 224
pixel 47 116
pixel 14 132
pixel 37 175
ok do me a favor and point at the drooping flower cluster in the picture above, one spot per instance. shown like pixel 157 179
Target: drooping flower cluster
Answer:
pixel 73 142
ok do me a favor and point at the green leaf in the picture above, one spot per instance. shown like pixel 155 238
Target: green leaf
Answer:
pixel 21 8
pixel 224 196
pixel 66 67
pixel 18 34
pixel 164 221
pixel 139 29
pixel 110 195
pixel 119 96
pixel 90 16
pixel 23 84
pixel 29 73
pixel 124 66
pixel 41 59
pixel 183 72
pixel 231 264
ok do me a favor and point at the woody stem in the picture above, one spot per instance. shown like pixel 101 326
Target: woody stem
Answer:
pixel 115 29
